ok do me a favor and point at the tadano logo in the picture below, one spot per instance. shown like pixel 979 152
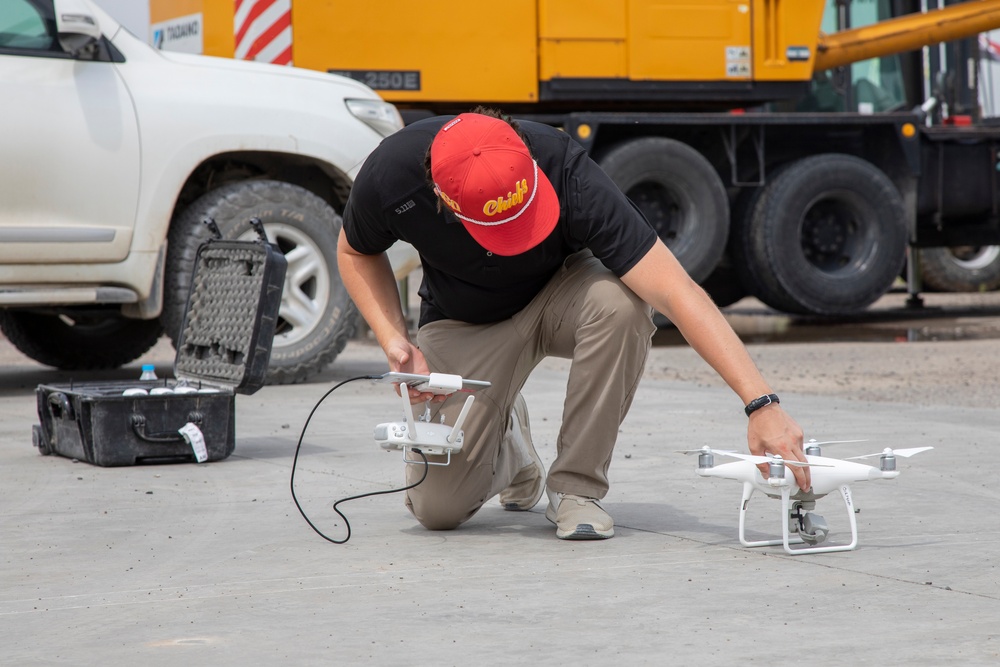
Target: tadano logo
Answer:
pixel 183 33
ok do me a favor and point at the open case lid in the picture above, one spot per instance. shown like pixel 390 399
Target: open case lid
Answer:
pixel 231 313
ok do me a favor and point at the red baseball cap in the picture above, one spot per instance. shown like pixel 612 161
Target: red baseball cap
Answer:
pixel 484 173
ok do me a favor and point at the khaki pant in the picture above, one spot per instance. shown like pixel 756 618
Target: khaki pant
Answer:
pixel 585 314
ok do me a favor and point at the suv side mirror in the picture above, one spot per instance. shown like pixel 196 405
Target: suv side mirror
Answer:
pixel 79 32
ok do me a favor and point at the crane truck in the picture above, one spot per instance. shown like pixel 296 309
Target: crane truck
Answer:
pixel 760 139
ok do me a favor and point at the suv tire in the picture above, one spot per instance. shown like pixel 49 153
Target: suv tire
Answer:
pixel 317 316
pixel 86 340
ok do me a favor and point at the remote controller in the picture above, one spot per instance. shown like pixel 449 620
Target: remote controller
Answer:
pixel 422 434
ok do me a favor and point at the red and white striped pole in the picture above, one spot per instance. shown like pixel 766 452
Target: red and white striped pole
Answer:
pixel 263 31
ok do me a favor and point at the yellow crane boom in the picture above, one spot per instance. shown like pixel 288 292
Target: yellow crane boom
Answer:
pixel 905 33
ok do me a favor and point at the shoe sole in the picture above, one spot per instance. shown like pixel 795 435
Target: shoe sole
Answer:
pixel 585 531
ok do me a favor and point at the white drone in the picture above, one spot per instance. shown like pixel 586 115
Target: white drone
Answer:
pixel 796 505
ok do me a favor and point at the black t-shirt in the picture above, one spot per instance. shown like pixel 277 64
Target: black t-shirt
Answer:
pixel 391 199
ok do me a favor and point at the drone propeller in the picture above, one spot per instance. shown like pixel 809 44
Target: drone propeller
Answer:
pixel 706 450
pixel 905 453
pixel 813 443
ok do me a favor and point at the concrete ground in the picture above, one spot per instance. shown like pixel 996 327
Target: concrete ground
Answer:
pixel 212 563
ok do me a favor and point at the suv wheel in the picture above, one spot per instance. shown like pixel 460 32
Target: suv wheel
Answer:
pixel 79 340
pixel 317 316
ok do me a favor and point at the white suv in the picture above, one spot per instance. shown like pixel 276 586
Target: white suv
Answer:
pixel 112 154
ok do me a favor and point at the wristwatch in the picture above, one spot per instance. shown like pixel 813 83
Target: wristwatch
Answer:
pixel 758 403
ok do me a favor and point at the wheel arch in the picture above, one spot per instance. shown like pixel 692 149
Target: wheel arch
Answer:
pixel 781 138
pixel 321 178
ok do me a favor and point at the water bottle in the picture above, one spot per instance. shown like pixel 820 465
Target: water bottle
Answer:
pixel 148 372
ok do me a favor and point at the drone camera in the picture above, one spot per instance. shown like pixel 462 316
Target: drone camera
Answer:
pixel 811 527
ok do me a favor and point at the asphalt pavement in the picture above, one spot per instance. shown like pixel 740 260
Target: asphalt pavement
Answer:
pixel 212 563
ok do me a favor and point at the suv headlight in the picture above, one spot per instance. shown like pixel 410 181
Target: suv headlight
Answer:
pixel 379 115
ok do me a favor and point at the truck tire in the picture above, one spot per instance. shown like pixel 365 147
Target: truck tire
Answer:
pixel 80 341
pixel 961 269
pixel 748 256
pixel 830 234
pixel 680 194
pixel 317 316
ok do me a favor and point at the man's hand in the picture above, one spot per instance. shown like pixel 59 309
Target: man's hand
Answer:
pixel 772 431
pixel 405 357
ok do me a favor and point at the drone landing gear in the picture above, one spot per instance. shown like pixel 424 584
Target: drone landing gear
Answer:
pixel 812 529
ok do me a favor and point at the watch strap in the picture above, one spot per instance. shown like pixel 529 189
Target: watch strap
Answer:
pixel 758 403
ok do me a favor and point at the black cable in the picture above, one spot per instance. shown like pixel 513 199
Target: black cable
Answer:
pixel 295 461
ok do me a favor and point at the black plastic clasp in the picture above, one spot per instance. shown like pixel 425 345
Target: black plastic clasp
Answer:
pixel 258 227
pixel 214 228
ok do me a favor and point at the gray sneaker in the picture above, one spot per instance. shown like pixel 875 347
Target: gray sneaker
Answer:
pixel 527 486
pixel 579 518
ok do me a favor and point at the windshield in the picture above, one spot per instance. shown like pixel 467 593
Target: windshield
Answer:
pixel 23 26
pixel 874 85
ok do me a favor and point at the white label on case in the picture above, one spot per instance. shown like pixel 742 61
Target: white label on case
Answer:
pixel 196 439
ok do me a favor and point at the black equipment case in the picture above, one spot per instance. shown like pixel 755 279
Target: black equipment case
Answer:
pixel 223 349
